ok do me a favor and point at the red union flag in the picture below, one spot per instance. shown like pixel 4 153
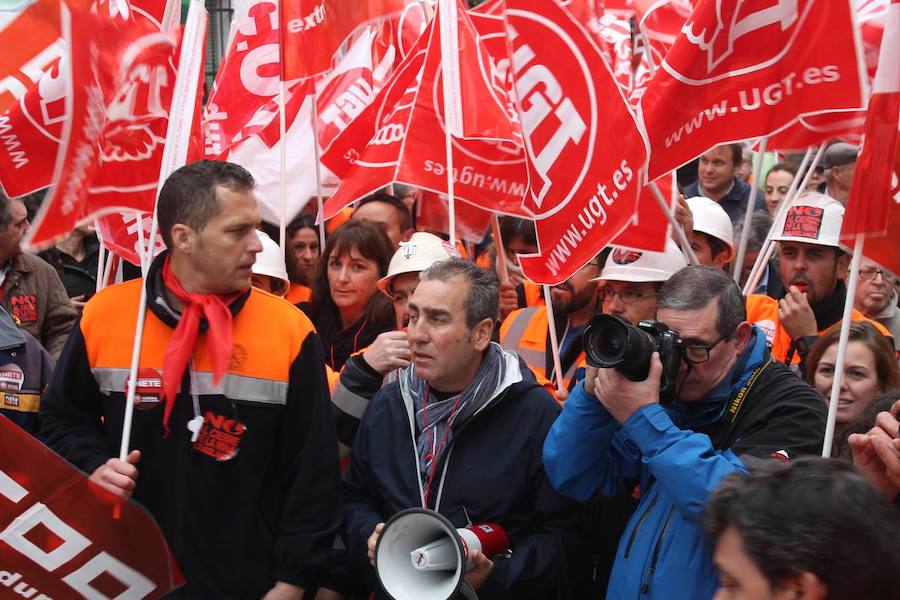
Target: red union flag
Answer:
pixel 400 136
pixel 584 148
pixel 874 204
pixel 745 69
pixel 649 229
pixel 59 535
pixel 120 105
pixel 433 212
pixel 313 30
pixel 31 130
pixel 812 130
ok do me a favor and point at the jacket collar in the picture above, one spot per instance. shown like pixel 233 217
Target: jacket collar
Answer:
pixel 159 304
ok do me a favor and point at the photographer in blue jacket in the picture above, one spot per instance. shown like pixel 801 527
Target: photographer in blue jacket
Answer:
pixel 682 403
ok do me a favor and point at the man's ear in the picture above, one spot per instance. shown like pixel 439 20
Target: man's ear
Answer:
pixel 801 586
pixel 843 262
pixel 742 335
pixel 482 333
pixel 183 238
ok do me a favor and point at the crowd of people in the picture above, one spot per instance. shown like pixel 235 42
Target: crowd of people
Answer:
pixel 309 392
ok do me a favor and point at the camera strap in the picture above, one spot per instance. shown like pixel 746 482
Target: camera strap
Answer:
pixel 734 407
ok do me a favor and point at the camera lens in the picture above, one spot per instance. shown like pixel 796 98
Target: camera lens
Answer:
pixel 610 342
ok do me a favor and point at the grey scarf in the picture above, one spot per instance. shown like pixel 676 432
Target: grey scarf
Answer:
pixel 444 417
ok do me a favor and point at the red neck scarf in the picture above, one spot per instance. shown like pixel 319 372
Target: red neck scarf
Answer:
pixel 212 307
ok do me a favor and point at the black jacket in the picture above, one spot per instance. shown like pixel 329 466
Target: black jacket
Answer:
pixel 236 526
pixel 493 473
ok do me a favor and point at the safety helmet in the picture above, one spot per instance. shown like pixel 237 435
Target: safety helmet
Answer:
pixel 420 252
pixel 812 218
pixel 625 264
pixel 710 218
pixel 270 261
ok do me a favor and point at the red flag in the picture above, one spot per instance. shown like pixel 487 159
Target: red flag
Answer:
pixel 356 80
pixel 873 204
pixel 32 129
pixel 26 52
pixel 741 70
pixel 123 232
pixel 313 30
pixel 119 107
pixel 59 534
pixel 585 150
pixel 650 229
pixel 400 136
pixel 433 213
pixel 812 130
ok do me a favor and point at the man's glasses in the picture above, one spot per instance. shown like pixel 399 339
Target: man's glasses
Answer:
pixel 870 274
pixel 699 353
pixel 626 296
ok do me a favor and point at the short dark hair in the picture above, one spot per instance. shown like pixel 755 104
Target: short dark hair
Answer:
pixel 189 194
pixel 812 515
pixel 760 223
pixel 694 286
pixel 5 213
pixel 716 246
pixel 483 296
pixel 515 227
pixel 737 153
pixel 403 215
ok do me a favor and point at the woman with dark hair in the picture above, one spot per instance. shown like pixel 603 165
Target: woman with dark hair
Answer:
pixel 301 253
pixel 870 368
pixel 346 306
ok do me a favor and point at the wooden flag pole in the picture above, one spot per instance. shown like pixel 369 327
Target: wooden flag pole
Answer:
pixel 676 226
pixel 554 342
pixel 751 206
pixel 319 201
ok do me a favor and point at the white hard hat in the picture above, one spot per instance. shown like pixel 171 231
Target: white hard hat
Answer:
pixel 625 264
pixel 812 218
pixel 271 260
pixel 420 252
pixel 710 218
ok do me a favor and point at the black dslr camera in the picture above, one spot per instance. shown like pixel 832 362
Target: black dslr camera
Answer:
pixel 611 343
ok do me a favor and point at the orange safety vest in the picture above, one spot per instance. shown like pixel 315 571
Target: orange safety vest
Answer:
pixel 298 293
pixel 525 332
pixel 534 295
pixel 762 311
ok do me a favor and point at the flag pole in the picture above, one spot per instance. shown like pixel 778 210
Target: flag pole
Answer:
pixel 282 163
pixel 447 12
pixel 502 270
pixel 676 226
pixel 321 208
pixel 751 207
pixel 178 134
pixel 554 341
pixel 768 247
pixel 101 258
pixel 842 344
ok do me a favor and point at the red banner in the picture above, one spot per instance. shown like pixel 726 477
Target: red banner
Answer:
pixel 313 30
pixel 433 214
pixel 119 104
pixel 59 534
pixel 400 137
pixel 585 149
pixel 649 229
pixel 812 130
pixel 875 196
pixel 26 54
pixel 741 70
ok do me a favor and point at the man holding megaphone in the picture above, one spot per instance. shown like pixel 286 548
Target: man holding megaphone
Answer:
pixel 459 434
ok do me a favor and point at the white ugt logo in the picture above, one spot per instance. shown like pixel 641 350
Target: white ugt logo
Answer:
pixel 719 44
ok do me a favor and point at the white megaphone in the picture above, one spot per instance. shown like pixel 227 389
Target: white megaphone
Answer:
pixel 420 555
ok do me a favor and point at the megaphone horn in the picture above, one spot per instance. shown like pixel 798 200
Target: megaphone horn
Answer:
pixel 420 555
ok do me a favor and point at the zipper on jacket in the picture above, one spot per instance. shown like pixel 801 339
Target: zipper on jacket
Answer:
pixel 645 587
pixel 638 526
